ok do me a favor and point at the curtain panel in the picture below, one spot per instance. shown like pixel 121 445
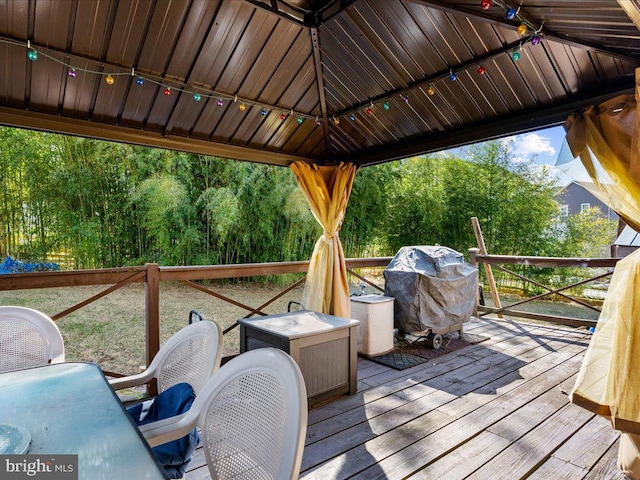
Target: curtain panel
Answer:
pixel 327 190
pixel 605 137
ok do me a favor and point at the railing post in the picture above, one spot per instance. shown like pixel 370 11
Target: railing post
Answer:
pixel 474 263
pixel 487 267
pixel 152 318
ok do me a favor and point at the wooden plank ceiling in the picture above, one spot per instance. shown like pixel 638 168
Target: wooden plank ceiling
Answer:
pixel 276 81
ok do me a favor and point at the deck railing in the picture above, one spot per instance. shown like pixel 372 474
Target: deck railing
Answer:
pixel 152 275
pixel 496 261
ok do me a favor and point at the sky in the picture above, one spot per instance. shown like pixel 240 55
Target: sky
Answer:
pixel 543 147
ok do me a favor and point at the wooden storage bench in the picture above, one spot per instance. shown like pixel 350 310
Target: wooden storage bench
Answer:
pixel 324 347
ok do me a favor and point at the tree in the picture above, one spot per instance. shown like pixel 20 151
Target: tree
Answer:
pixel 587 234
pixel 362 231
pixel 416 203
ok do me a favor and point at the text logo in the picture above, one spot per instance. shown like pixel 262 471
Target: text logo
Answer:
pixel 38 467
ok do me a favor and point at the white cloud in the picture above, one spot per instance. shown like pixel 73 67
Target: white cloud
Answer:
pixel 529 146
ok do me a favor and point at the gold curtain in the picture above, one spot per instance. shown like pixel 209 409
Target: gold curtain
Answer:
pixel 605 137
pixel 327 191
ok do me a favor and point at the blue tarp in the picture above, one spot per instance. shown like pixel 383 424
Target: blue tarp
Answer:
pixel 10 265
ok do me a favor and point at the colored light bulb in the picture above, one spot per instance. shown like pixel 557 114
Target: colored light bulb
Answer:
pixel 283 116
pixel 335 120
pixel 110 80
pixel 386 106
pixel 431 90
pixel 33 55
pixel 220 102
pixel 522 29
pixel 482 70
pixel 453 77
pixel 535 40
pixel 139 81
pixel 369 110
pixel 485 4
pixel 515 56
pixel 318 121
pixel 72 72
pixel 197 97
pixel 263 112
pixel 511 13
pixel 405 99
pixel 300 119
pixel 242 107
pixel 167 91
pixel 352 117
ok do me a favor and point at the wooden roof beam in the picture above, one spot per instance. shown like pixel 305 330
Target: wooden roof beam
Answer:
pixel 317 60
pixel 72 126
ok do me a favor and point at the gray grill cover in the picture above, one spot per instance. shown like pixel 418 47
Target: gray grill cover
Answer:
pixel 434 288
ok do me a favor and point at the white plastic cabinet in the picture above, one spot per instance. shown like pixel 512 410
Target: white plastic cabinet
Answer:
pixel 375 332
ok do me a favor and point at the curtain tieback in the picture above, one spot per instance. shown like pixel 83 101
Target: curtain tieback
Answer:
pixel 328 237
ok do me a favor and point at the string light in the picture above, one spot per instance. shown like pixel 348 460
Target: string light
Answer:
pixel 485 4
pixel 34 54
pixel 510 13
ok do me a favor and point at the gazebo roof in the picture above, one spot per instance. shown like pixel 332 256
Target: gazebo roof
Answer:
pixel 275 81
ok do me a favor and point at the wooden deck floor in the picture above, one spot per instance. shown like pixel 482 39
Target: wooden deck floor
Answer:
pixel 495 410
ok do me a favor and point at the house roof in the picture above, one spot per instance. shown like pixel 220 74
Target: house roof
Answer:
pixel 628 238
pixel 276 81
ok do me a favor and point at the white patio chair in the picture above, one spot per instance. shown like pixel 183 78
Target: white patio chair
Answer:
pixel 191 355
pixel 253 418
pixel 28 338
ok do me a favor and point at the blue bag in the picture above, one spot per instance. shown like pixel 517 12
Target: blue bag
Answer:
pixel 174 456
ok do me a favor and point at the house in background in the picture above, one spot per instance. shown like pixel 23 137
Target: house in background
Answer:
pixel 576 198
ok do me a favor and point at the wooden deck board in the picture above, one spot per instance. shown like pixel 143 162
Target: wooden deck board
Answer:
pixel 497 409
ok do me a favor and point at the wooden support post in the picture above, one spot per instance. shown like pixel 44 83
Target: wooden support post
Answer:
pixel 487 268
pixel 474 263
pixel 152 318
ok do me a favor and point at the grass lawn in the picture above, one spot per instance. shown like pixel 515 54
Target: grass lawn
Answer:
pixel 110 331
